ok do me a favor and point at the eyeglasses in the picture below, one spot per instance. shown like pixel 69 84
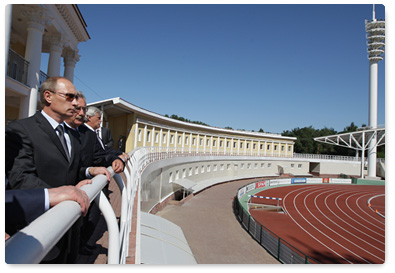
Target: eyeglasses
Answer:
pixel 67 96
pixel 78 108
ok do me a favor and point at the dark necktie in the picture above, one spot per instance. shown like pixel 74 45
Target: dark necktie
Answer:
pixel 100 140
pixel 63 140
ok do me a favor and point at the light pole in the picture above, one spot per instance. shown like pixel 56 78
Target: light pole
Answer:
pixel 376 42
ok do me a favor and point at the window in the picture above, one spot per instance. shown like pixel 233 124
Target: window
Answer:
pixel 194 141
pixel 148 136
pixel 208 143
pixel 299 166
pixel 179 140
pixel 268 147
pixel 164 139
pixel 186 141
pixel 275 147
pixel 172 139
pixel 139 135
pixel 156 137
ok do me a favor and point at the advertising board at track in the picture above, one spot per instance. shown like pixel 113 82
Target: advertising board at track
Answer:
pixel 246 189
pixel 315 180
pixel 298 181
pixel 341 180
pixel 250 187
pixel 274 182
pixel 260 184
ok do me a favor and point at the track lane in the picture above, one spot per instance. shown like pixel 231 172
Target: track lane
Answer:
pixel 331 223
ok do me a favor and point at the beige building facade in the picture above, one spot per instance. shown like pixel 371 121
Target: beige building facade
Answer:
pixel 143 128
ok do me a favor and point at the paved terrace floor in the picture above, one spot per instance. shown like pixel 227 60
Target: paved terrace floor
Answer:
pixel 208 222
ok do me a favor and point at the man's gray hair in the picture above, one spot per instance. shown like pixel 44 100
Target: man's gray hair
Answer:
pixel 92 111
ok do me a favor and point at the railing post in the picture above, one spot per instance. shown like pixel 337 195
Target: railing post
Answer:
pixel 112 226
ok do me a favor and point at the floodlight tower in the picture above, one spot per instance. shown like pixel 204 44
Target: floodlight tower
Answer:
pixel 376 42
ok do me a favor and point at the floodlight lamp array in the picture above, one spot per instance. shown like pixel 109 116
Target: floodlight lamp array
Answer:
pixel 375 39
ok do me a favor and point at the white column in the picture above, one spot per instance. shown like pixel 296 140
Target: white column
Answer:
pixel 168 140
pixel 55 55
pixel 190 142
pixel 8 17
pixel 136 135
pixel 34 43
pixel 373 89
pixel 145 135
pixel 160 137
pixel 70 59
pixel 23 107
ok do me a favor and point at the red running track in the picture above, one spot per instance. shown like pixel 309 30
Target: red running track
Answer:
pixel 331 223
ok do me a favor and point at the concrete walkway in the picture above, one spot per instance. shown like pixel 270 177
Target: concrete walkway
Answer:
pixel 212 230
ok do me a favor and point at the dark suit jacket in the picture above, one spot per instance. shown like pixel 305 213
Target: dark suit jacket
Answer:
pixel 22 207
pixel 92 153
pixel 107 137
pixel 35 157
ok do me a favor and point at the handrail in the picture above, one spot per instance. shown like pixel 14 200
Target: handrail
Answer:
pixel 32 243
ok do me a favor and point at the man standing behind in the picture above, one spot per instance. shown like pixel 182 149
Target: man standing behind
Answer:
pixel 93 122
pixel 92 153
pixel 106 136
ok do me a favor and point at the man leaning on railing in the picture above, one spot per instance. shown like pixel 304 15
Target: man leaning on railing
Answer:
pixel 41 152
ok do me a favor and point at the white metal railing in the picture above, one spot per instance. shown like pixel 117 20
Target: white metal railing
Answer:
pixel 31 244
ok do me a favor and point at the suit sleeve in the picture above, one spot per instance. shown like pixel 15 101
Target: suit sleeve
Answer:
pixel 20 165
pixel 22 207
pixel 109 140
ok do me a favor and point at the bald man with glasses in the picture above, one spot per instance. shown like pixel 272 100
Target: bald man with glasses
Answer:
pixel 41 152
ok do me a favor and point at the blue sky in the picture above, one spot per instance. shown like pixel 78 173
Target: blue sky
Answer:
pixel 275 67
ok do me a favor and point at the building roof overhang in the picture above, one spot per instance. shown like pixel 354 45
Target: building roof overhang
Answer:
pixel 118 106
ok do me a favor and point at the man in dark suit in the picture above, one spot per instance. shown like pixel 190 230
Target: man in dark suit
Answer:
pixel 41 152
pixel 93 121
pixel 92 153
pixel 106 136
pixel 35 155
